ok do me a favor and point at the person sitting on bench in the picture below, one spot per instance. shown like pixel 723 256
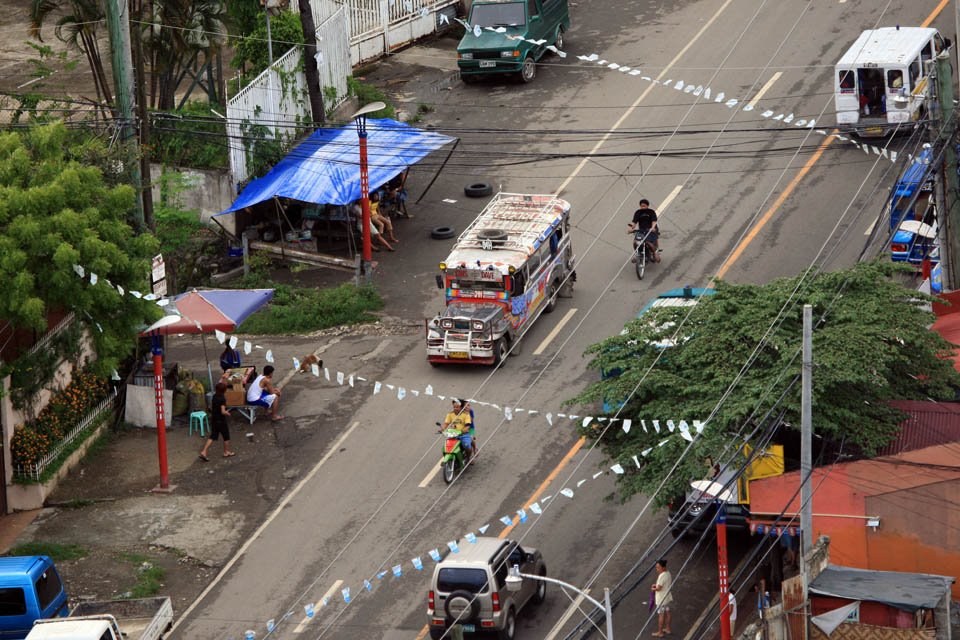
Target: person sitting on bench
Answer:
pixel 262 393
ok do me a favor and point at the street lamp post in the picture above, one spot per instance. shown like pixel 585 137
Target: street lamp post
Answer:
pixel 515 581
pixel 156 344
pixel 360 117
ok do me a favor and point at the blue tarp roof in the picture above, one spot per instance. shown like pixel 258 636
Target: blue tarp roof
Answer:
pixel 325 168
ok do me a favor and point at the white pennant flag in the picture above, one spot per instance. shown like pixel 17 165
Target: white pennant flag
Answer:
pixel 477 31
pixel 580 482
pixel 247 347
pixel 350 380
pixel 376 387
pixel 326 374
pixel 79 270
pixel 626 425
pixel 535 507
pixel 114 375
pixel 685 431
pixel 550 419
pixel 482 530
pixel 508 413
pixel 220 336
pixel 617 469
pixel 340 377
pixel 93 278
pixel 136 294
pixel 401 393
pixel 233 342
pixel 269 356
pixel 586 421
pixel 429 390
pixel 315 369
pixel 120 290
pixel 424 12
pixel 567 492
pixel 444 19
pixel 296 364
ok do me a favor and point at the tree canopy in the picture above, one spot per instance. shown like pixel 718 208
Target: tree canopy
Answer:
pixel 58 209
pixel 872 346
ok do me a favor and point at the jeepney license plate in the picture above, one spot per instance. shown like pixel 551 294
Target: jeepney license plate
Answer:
pixel 486 64
pixel 469 628
pixel 459 354
pixel 874 131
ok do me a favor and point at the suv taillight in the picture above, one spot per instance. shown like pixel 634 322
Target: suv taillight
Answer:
pixel 496 602
pixel 430 601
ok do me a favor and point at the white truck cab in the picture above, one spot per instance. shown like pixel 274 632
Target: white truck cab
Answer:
pixel 87 628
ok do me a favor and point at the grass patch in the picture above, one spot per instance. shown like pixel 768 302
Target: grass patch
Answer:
pixel 301 310
pixel 367 93
pixel 149 576
pixel 58 552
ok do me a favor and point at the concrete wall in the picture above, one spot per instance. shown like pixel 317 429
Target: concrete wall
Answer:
pixel 919 531
pixel 10 418
pixel 208 191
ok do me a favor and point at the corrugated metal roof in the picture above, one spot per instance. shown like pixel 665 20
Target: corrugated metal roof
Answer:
pixel 929 424
pixel 907 591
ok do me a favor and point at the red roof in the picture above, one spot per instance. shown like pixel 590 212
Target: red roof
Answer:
pixel 929 424
pixel 947 323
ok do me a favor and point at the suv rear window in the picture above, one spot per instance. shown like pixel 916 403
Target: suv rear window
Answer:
pixel 48 588
pixel 455 579
pixel 12 602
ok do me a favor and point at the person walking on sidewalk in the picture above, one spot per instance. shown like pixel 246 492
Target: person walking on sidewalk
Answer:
pixel 663 599
pixel 218 423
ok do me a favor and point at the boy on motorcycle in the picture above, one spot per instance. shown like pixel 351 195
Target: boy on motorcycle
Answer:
pixel 459 418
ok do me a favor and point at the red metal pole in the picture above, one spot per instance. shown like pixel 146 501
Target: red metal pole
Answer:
pixel 161 421
pixel 723 566
pixel 365 197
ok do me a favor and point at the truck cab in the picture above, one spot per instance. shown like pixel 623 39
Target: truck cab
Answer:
pixel 30 589
pixel 93 628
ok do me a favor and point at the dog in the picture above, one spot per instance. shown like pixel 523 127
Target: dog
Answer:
pixel 305 364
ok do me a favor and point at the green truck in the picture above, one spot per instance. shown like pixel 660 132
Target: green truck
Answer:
pixel 510 36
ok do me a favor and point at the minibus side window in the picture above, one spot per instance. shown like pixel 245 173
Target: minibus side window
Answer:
pixel 914 73
pixel 927 52
pixel 895 79
pixel 848 81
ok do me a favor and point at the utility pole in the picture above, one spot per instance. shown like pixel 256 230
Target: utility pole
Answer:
pixel 118 22
pixel 806 433
pixel 146 192
pixel 948 127
pixel 310 67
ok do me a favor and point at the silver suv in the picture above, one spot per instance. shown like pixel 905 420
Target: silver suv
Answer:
pixel 469 588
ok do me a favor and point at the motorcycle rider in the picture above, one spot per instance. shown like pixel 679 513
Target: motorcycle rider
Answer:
pixel 459 418
pixel 645 224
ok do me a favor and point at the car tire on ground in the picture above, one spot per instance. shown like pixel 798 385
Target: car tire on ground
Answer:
pixel 478 190
pixel 509 626
pixel 437 634
pixel 500 351
pixel 541 593
pixel 442 233
pixel 551 298
pixel 528 71
pixel 558 43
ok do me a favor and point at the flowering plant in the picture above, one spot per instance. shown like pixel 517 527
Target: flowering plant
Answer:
pixel 33 440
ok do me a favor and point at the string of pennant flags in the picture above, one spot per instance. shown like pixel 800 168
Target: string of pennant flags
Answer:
pixel 400 392
pixel 699 90
pixel 667 428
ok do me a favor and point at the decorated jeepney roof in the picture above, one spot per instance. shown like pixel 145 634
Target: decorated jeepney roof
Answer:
pixel 526 222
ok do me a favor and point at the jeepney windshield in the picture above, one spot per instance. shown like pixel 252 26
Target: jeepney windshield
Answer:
pixel 498 15
pixel 476 285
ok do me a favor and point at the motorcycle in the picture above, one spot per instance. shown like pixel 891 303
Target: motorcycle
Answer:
pixel 644 251
pixel 454 457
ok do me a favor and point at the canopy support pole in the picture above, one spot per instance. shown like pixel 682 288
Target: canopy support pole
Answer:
pixel 283 255
pixel 437 174
pixel 203 340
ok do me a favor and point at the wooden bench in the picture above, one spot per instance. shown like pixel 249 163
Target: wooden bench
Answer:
pixel 248 411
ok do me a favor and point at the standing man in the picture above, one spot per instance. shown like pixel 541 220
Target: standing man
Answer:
pixel 645 221
pixel 663 598
pixel 262 393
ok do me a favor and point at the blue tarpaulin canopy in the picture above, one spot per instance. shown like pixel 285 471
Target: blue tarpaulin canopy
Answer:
pixel 325 168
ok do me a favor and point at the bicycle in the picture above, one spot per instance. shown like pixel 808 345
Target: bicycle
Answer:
pixel 646 240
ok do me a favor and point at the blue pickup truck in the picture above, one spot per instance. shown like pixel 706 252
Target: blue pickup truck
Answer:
pixel 30 589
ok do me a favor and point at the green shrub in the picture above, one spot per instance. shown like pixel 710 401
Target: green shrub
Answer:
pixel 193 136
pixel 285 29
pixel 367 93
pixel 301 310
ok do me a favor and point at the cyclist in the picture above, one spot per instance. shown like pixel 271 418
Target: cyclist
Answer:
pixel 645 224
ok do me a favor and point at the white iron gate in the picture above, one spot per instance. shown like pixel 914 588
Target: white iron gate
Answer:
pixel 276 102
pixel 379 26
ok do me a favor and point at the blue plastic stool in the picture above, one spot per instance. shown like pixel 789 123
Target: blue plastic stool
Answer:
pixel 199 418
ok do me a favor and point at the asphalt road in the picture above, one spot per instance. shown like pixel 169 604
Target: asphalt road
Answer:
pixel 370 504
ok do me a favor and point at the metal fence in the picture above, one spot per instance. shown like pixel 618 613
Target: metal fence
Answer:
pixel 379 26
pixel 34 471
pixel 276 103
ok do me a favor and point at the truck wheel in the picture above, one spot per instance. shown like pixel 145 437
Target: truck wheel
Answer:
pixel 558 43
pixel 541 593
pixel 529 70
pixel 551 298
pixel 500 351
